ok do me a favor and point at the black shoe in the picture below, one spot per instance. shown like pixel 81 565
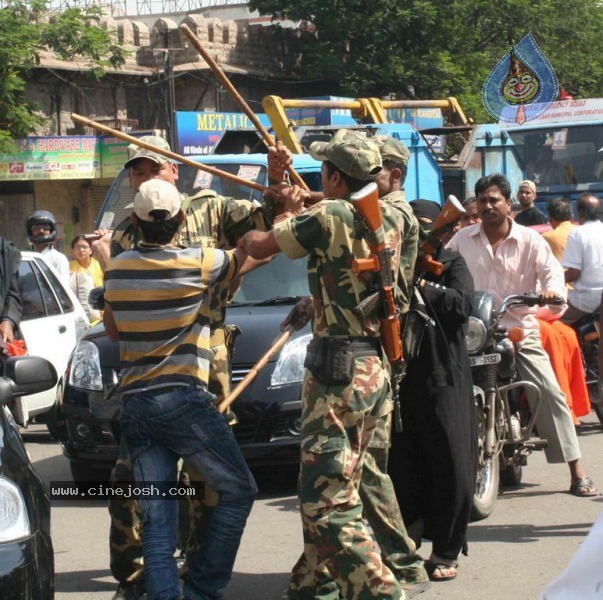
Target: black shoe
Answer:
pixel 129 591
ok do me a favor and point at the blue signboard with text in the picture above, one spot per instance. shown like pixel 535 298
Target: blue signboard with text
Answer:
pixel 199 132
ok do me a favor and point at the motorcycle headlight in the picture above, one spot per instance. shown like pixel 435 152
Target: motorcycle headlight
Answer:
pixel 14 523
pixel 85 369
pixel 290 365
pixel 476 335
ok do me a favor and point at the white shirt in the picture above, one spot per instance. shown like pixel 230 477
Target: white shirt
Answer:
pixel 59 261
pixel 584 251
pixel 523 263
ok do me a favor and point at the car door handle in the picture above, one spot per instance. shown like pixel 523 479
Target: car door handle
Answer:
pixel 62 328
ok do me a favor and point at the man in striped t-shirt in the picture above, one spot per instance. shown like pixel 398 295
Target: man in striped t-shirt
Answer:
pixel 157 307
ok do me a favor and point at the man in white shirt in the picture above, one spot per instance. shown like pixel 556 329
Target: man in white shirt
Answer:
pixel 42 231
pixel 583 260
pixel 505 258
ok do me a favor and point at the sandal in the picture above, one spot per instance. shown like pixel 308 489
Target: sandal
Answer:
pixel 441 571
pixel 583 488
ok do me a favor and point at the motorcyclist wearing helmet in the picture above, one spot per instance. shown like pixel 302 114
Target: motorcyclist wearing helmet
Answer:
pixel 41 229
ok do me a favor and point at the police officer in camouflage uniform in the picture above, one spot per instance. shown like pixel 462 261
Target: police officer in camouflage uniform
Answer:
pixel 346 397
pixel 211 221
pixel 390 182
pixel 397 548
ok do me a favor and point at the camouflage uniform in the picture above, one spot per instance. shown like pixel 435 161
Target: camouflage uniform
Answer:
pixel 345 428
pixel 216 222
pixel 408 253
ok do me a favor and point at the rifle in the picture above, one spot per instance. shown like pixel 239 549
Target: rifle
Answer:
pixel 366 203
pixel 432 240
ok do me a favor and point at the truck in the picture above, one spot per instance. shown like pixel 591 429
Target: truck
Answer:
pixel 561 150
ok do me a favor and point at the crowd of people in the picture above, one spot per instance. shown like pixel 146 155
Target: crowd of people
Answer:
pixel 368 495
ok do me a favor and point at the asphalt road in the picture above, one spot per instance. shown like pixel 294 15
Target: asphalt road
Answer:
pixel 524 544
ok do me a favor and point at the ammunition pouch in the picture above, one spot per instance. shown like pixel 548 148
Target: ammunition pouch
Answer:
pixel 331 360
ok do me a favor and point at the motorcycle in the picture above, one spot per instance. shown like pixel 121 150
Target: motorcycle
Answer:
pixel 587 329
pixel 504 420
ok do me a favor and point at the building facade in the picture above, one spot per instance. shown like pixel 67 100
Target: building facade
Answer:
pixel 163 73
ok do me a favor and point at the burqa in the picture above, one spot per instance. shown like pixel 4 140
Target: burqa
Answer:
pixel 432 461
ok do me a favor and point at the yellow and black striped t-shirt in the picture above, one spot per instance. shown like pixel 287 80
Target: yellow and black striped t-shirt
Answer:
pixel 159 297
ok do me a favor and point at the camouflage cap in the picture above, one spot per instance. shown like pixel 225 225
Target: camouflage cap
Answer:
pixel 392 149
pixel 135 152
pixel 350 152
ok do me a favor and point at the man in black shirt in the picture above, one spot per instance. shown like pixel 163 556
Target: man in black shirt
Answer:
pixel 529 214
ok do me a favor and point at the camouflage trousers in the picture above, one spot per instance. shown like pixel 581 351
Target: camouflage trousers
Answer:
pixel 343 480
pixel 125 534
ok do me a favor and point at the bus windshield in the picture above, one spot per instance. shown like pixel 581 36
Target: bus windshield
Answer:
pixel 560 155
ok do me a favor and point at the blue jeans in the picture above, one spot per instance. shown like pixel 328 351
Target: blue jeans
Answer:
pixel 160 426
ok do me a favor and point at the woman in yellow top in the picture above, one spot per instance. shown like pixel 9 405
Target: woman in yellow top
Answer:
pixel 86 274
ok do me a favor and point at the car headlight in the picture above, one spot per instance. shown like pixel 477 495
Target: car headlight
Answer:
pixel 85 369
pixel 476 335
pixel 14 523
pixel 290 365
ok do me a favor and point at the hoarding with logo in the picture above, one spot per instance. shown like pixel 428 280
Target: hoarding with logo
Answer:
pixel 60 157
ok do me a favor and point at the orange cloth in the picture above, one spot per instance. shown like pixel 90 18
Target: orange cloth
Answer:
pixel 561 344
pixel 557 238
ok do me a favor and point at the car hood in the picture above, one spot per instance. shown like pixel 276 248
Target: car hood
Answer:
pixel 260 328
pixel 259 325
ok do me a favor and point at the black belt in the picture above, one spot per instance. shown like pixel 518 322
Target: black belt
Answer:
pixel 360 346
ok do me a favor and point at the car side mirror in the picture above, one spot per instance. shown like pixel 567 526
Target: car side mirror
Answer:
pixel 25 375
pixel 96 298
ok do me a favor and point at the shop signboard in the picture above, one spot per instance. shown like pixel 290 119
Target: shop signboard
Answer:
pixel 198 132
pixel 52 157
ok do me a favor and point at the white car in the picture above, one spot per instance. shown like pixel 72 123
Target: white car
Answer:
pixel 53 321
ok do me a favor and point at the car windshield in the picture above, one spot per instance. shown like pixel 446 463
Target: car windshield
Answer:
pixel 282 279
pixel 118 203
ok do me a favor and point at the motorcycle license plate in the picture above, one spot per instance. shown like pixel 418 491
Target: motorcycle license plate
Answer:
pixel 484 359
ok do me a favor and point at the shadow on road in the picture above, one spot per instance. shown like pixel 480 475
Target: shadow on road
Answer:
pixel 588 429
pixel 84 581
pixel 276 481
pixel 37 434
pixel 257 586
pixel 521 533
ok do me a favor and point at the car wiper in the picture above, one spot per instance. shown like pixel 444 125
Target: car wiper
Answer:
pixel 235 303
pixel 279 300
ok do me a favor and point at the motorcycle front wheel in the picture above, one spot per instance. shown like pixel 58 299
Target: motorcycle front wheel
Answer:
pixel 487 475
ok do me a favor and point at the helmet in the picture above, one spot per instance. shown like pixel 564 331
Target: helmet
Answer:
pixel 41 217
